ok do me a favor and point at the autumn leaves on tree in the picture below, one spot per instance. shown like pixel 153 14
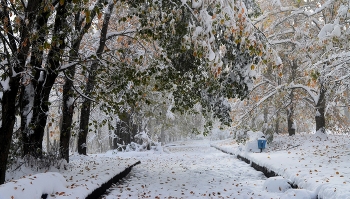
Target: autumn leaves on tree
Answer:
pixel 113 55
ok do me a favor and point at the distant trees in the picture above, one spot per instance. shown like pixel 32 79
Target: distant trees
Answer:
pixel 309 37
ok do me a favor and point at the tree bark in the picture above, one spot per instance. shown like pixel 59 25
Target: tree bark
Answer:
pixel 8 120
pixel 265 125
pixel 277 124
pixel 320 111
pixel 9 98
pixel 290 115
pixel 86 106
pixel 290 109
pixel 67 112
pixel 122 131
pixel 33 136
pixel 290 120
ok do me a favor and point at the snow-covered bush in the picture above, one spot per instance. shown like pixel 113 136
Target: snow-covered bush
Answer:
pixel 218 134
pixel 134 147
pixel 144 142
pixel 144 139
pixel 241 136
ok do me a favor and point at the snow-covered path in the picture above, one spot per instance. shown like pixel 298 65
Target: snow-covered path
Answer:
pixel 191 170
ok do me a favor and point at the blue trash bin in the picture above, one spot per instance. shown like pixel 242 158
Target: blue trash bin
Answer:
pixel 261 143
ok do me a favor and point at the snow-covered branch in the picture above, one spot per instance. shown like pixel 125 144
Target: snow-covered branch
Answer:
pixel 119 33
pixel 311 92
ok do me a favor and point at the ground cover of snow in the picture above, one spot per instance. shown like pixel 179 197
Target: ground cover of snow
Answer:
pixel 319 165
pixel 77 179
pixel 191 169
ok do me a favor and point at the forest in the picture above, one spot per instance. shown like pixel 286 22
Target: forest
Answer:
pixel 93 75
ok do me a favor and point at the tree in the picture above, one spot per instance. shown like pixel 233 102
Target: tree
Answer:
pixel 301 33
pixel 186 56
pixel 14 57
pixel 212 51
pixel 81 29
pixel 36 103
pixel 85 110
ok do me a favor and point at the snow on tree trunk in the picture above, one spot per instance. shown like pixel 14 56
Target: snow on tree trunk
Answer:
pixel 10 90
pixel 8 108
pixel 290 109
pixel 67 119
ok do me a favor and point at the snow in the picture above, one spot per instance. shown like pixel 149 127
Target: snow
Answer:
pixel 211 54
pixel 117 33
pixel 76 179
pixel 343 11
pixel 197 32
pixel 318 166
pixel 34 185
pixel 318 114
pixel 5 84
pixel 191 169
pixel 28 109
pixel 170 115
pixel 330 30
pixel 65 66
pixel 277 184
pixel 196 4
pixel 194 169
pixel 310 91
pixel 324 6
pixel 70 101
pixel 278 60
pixel 41 78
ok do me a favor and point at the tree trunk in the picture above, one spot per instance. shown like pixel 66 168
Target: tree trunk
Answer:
pixel 123 132
pixel 86 106
pixel 8 101
pixel 277 124
pixel 290 115
pixel 290 120
pixel 346 109
pixel 84 126
pixel 265 125
pixel 320 111
pixel 34 134
pixel 68 91
pixel 31 93
pixel 162 135
pixel 290 109
pixel 67 113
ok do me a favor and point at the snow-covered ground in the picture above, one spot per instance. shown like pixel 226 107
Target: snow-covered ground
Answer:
pixel 315 164
pixel 76 179
pixel 193 169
